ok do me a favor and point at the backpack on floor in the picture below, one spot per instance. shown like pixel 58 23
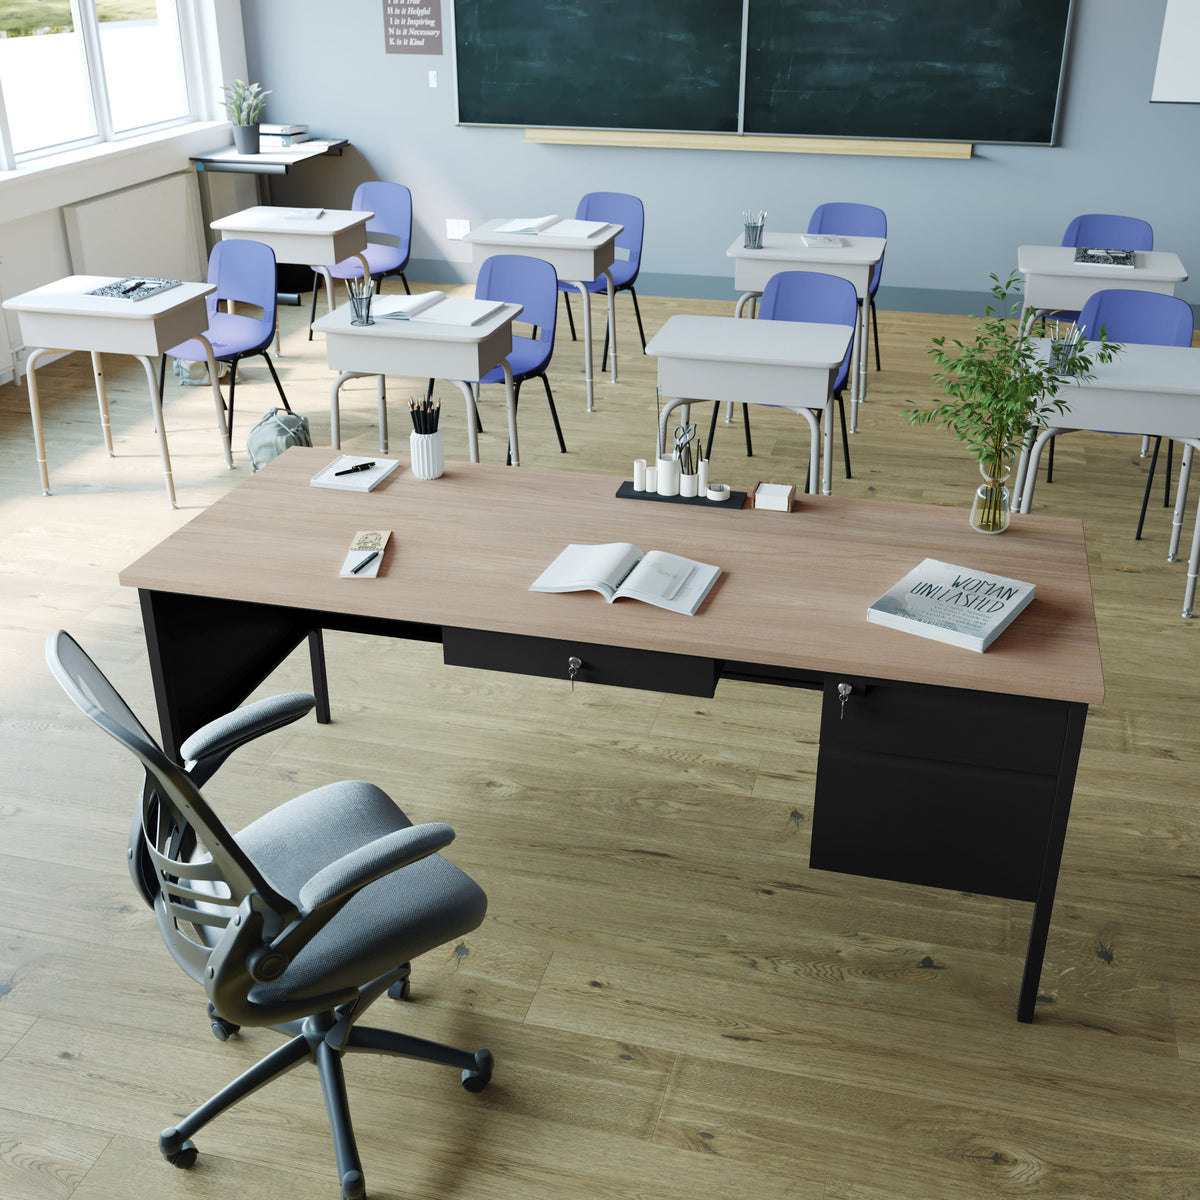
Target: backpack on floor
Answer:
pixel 278 430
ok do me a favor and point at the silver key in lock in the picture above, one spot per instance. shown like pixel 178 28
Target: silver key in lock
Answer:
pixel 573 665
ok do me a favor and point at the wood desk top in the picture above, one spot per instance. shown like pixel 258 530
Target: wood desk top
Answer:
pixel 795 592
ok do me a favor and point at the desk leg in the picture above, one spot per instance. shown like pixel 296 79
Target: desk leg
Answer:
pixel 671 406
pixel 102 401
pixel 612 322
pixel 827 449
pixel 1026 482
pixel 160 425
pixel 335 423
pixel 381 390
pixel 857 369
pixel 35 413
pixel 218 400
pixel 587 344
pixel 1181 491
pixel 510 401
pixel 472 417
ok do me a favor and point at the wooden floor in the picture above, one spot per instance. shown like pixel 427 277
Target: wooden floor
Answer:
pixel 678 1006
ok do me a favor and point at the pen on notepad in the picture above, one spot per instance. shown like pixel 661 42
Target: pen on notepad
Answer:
pixel 366 562
pixel 133 287
pixel 359 467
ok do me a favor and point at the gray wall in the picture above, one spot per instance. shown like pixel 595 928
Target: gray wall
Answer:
pixel 950 223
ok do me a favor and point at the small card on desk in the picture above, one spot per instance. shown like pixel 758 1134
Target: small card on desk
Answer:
pixel 366 554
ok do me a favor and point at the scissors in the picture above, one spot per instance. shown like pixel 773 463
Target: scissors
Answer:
pixel 684 436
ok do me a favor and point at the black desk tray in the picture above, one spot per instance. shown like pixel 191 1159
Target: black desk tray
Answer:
pixel 626 492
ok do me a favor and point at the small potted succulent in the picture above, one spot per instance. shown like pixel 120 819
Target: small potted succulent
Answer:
pixel 1002 386
pixel 243 105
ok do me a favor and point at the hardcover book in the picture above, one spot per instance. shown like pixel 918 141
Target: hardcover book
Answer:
pixel 952 604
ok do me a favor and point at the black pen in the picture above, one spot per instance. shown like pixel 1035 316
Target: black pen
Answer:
pixel 133 287
pixel 366 562
pixel 351 470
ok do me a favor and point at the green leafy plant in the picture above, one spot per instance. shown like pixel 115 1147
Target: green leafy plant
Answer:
pixel 1002 384
pixel 244 102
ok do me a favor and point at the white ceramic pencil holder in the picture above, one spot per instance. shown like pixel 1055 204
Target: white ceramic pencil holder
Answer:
pixel 427 454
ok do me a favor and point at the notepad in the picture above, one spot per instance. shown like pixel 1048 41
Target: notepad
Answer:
pixel 357 481
pixel 359 562
pixel 135 287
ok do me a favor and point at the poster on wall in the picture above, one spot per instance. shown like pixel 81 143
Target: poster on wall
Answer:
pixel 1175 78
pixel 412 28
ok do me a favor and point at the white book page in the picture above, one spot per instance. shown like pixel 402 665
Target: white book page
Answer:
pixel 400 308
pixel 527 224
pixel 460 310
pixel 600 568
pixel 570 227
pixel 659 576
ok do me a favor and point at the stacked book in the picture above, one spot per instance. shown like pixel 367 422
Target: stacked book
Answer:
pixel 280 137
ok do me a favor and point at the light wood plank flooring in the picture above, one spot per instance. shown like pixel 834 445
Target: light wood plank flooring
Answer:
pixel 679 1007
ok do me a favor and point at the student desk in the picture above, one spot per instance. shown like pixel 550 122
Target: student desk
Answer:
pixel 784 364
pixel 61 316
pixel 943 767
pixel 1153 389
pixel 576 260
pixel 1055 282
pixel 458 353
pixel 854 260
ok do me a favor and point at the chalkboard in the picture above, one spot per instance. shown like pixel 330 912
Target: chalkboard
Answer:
pixel 934 69
pixel 949 70
pixel 624 64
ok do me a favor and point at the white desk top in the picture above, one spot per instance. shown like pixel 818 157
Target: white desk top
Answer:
pixel 1165 370
pixel 340 322
pixel 281 156
pixel 1149 265
pixel 790 247
pixel 759 342
pixel 265 218
pixel 69 297
pixel 486 234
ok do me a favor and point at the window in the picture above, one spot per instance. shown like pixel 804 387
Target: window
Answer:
pixel 74 72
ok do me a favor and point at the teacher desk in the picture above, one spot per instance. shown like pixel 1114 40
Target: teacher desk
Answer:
pixel 937 766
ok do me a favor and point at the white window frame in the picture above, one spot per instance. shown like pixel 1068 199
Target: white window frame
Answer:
pixel 199 103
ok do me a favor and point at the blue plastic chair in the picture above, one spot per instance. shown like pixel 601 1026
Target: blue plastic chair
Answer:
pixel 1148 318
pixel 244 273
pixel 805 296
pixel 533 284
pixel 392 205
pixel 855 220
pixel 627 211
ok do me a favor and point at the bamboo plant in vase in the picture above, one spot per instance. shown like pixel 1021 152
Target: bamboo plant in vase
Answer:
pixel 244 103
pixel 1001 386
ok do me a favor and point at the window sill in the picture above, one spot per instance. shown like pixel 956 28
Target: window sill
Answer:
pixel 61 179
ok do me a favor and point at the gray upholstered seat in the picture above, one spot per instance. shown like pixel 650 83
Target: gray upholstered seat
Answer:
pixel 300 921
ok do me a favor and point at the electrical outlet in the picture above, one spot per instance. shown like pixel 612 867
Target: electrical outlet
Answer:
pixel 433 79
pixel 456 227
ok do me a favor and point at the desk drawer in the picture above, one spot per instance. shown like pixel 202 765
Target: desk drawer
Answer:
pixel 619 666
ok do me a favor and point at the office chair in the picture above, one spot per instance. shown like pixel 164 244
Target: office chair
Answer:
pixel 805 296
pixel 392 205
pixel 855 220
pixel 244 272
pixel 532 283
pixel 627 211
pixel 300 921
pixel 1148 318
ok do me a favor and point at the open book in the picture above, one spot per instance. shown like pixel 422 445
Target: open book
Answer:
pixel 527 225
pixel 952 604
pixel 436 308
pixel 620 570
pixel 827 241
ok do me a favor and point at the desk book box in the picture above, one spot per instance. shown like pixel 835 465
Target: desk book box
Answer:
pixel 952 604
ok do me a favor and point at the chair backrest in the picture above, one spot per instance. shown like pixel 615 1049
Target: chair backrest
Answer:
pixel 1128 315
pixel 244 271
pixel 530 282
pixel 1109 232
pixel 621 209
pixel 854 220
pixel 187 865
pixel 392 205
pixel 812 296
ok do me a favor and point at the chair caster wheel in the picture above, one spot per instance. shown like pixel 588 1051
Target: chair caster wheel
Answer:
pixel 400 989
pixel 354 1186
pixel 221 1028
pixel 477 1080
pixel 179 1152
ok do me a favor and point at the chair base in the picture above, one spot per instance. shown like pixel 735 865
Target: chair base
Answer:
pixel 324 1039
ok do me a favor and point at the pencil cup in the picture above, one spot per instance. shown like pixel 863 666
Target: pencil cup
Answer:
pixel 689 484
pixel 754 232
pixel 639 474
pixel 668 477
pixel 427 453
pixel 360 309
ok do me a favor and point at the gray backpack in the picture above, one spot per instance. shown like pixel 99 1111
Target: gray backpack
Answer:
pixel 278 430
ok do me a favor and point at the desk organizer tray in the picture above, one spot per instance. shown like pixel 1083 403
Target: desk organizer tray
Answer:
pixel 626 492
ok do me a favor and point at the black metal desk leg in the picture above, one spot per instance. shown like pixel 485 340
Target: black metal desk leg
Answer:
pixel 320 679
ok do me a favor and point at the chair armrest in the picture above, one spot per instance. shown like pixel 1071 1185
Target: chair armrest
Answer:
pixel 213 743
pixel 336 883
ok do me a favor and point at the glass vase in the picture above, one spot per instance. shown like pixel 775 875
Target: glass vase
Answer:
pixel 992 506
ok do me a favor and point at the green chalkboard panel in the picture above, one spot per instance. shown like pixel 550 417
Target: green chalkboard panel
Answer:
pixel 620 64
pixel 932 69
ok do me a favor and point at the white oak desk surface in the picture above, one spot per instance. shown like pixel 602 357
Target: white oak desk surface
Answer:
pixel 796 588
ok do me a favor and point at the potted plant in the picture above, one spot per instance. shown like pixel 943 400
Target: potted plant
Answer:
pixel 1001 386
pixel 243 105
